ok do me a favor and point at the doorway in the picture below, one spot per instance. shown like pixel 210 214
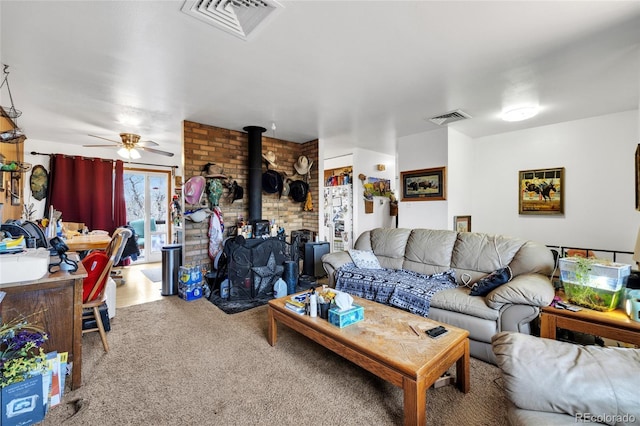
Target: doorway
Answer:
pixel 147 194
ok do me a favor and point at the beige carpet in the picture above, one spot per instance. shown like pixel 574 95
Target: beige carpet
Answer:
pixel 187 363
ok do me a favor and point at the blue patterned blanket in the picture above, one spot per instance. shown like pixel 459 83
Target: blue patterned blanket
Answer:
pixel 403 289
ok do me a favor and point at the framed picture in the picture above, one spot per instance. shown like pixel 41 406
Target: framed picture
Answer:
pixel 541 191
pixel 16 192
pixel 638 177
pixel 378 187
pixel 424 185
pixel 462 223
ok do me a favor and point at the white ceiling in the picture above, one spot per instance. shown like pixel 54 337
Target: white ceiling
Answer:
pixel 366 72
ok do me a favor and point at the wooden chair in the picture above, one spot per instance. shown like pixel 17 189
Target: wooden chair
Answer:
pixel 97 296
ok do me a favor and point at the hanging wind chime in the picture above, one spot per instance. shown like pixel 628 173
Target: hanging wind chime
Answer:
pixel 14 134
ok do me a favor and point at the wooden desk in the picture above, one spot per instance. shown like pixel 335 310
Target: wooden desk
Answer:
pixel 614 325
pixel 57 299
pixel 88 242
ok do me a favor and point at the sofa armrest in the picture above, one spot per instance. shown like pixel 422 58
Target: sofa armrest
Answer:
pixel 552 376
pixel 525 289
pixel 332 261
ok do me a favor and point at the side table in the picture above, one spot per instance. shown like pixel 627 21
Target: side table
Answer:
pixel 614 325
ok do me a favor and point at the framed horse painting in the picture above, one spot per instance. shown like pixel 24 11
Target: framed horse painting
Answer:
pixel 541 191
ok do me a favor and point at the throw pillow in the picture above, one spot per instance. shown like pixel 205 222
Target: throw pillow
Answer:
pixel 491 281
pixel 364 259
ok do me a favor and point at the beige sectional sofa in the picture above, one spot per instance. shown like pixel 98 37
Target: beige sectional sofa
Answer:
pixel 510 307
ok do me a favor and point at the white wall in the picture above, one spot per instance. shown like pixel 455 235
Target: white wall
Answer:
pixel 423 151
pixel 597 154
pixel 365 162
pixel 598 157
pixel 460 177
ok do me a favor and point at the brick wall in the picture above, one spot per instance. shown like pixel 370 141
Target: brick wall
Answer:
pixel 229 148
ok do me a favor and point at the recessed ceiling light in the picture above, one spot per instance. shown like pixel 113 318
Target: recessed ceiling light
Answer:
pixel 520 113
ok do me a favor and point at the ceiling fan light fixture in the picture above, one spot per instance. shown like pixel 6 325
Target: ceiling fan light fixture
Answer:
pixel 520 113
pixel 129 154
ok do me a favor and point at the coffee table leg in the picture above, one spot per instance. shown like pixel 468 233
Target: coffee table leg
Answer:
pixel 462 370
pixel 415 402
pixel 272 333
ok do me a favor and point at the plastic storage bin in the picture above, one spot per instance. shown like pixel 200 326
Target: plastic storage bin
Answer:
pixel 600 287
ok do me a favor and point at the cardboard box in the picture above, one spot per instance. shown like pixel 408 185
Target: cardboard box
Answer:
pixel 344 318
pixel 189 275
pixel 189 292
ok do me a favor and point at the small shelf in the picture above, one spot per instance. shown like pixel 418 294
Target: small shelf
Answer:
pixel 10 133
pixel 21 167
pixel 12 138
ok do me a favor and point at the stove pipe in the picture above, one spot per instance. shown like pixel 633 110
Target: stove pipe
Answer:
pixel 254 185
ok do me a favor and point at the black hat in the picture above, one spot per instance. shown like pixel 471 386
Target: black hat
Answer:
pixel 271 182
pixel 298 190
pixel 236 192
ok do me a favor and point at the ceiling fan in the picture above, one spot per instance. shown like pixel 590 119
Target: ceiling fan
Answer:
pixel 129 146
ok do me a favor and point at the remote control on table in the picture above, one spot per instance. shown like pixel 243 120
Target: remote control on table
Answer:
pixel 568 307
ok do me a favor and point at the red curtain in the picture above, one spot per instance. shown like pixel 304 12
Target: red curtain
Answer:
pixel 119 203
pixel 84 190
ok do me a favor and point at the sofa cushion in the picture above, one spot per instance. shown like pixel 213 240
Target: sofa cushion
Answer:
pixel 533 257
pixel 458 300
pixel 552 376
pixel 483 252
pixel 389 242
pixel 364 259
pixel 526 289
pixel 430 247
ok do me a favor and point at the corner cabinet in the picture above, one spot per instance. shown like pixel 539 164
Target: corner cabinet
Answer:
pixel 12 181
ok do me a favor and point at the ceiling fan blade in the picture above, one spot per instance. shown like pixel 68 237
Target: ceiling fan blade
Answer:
pixel 98 146
pixel 148 143
pixel 156 151
pixel 110 140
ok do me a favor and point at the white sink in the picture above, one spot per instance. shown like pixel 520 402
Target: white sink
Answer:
pixel 29 265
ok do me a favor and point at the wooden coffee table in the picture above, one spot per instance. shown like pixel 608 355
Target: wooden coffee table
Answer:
pixel 385 345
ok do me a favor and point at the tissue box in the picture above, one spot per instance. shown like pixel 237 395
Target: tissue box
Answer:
pixel 344 318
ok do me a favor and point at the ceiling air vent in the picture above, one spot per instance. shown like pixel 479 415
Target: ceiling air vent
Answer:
pixel 449 117
pixel 238 17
